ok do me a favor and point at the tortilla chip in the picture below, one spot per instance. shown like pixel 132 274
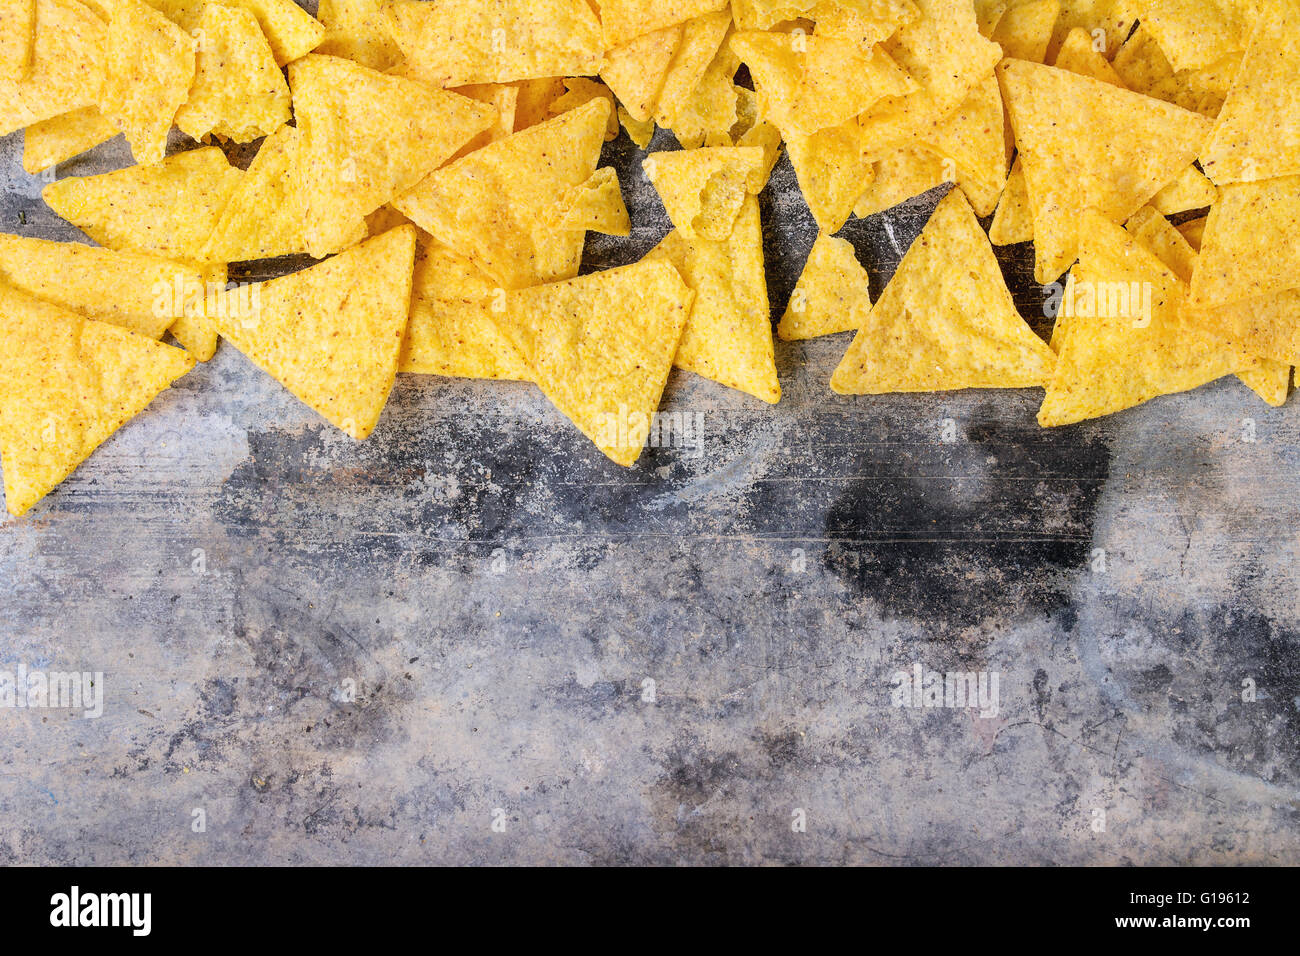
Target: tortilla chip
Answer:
pixel 332 333
pixel 60 138
pixel 1271 381
pixel 1191 190
pixel 459 42
pixel 17 38
pixel 832 172
pixel 1267 325
pixel 452 331
pixel 595 206
pixel 1079 54
pixel 535 100
pixel 196 328
pixel 1193 33
pixel 66 384
pixel 863 21
pixel 238 93
pixel 166 210
pixel 897 178
pixel 1111 168
pixel 988 14
pixel 497 205
pixel 601 348
pixel 800 80
pixel 1115 352
pixel 67 68
pixel 365 138
pixel 625 20
pixel 149 70
pixel 290 30
pixel 639 133
pixel 504 98
pixel 709 113
pixel 833 293
pixel 1144 69
pixel 974 138
pixel 704 189
pixel 1257 135
pixel 766 137
pixel 1248 250
pixel 582 91
pixel 1108 21
pixel 729 335
pixel 946 320
pixel 636 71
pixel 357 30
pixel 701 40
pixel 1025 31
pixel 1013 221
pixel 137 292
pixel 1194 231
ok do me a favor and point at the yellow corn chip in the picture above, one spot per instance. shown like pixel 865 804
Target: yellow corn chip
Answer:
pixel 625 20
pixel 800 80
pixel 946 320
pixel 504 98
pixel 17 38
pixel 452 331
pixel 332 333
pixel 601 348
pixel 704 189
pixel 137 292
pixel 974 138
pixel 1112 169
pixel 497 206
pixel 1194 231
pixel 709 113
pixel 1013 221
pixel 636 71
pixel 639 133
pixel 356 30
pixel 67 68
pixel 1108 22
pixel 1025 30
pixel 833 293
pixel 1079 54
pixel 863 21
pixel 1257 136
pixel 149 70
pixel 458 42
pixel 365 138
pixel 1193 33
pixel 166 210
pixel 581 91
pixel 535 100
pixel 832 172
pixel 1267 325
pixel 1191 190
pixel 1124 341
pixel 196 327
pixel 238 93
pixel 595 206
pixel 1144 69
pixel 729 335
pixel 988 14
pixel 766 137
pixel 897 178
pixel 66 384
pixel 62 137
pixel 1248 250
pixel 1271 381
pixel 701 40
pixel 289 29
pixel 765 14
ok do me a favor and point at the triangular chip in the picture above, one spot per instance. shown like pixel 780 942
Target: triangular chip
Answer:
pixel 1144 69
pixel 640 133
pixel 1123 340
pixel 458 42
pixel 1079 54
pixel 701 40
pixel 67 68
pixel 1266 325
pixel 62 137
pixel 196 327
pixel 595 206
pixel 1025 30
pixel 833 293
pixel 899 177
pixel 536 97
pixel 238 93
pixel 601 348
pixel 1249 249
pixel 579 91
pixel 17 38
pixel 452 331
pixel 707 115
pixel 1013 221
pixel 729 336
pixel 1112 169
pixel 636 70
pixel 1107 21
pixel 1194 231
pixel 1194 33
pixel 365 138
pixel 332 333
pixel 149 70
pixel 496 206
pixel 946 320
pixel 625 20
pixel 863 21
pixel 1271 381
pixel 290 30
pixel 703 189
pixel 832 172
pixel 166 210
pixel 1191 190
pixel 1257 136
pixel 137 292
pixel 974 137
pixel 800 80
pixel 66 384
pixel 357 30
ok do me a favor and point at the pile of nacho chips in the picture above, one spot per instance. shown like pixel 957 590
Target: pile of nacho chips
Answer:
pixel 441 160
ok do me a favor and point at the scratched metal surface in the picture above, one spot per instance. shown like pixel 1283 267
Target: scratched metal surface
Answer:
pixel 499 595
